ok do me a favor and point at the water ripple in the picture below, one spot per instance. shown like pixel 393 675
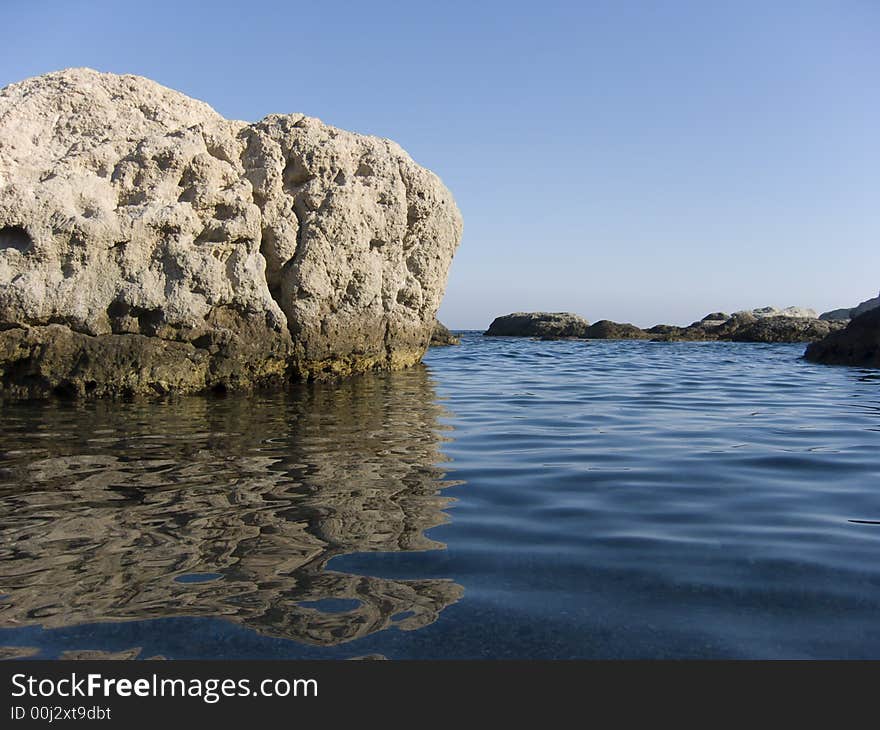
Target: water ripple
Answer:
pixel 512 498
pixel 682 482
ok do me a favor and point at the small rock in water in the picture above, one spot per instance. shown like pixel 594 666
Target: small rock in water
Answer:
pixel 549 325
pixel 606 330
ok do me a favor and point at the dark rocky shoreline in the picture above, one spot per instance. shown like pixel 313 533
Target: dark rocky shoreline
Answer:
pixel 741 327
pixel 830 341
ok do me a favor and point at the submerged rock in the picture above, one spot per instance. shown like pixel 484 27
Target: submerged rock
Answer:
pixel 148 244
pixel 857 344
pixel 441 335
pixel 538 324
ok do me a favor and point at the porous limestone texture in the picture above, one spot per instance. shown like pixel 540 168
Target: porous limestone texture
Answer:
pixel 147 244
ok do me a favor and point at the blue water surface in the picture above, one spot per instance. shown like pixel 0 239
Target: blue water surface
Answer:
pixel 511 498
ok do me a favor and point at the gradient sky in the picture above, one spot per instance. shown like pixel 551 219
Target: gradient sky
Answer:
pixel 636 161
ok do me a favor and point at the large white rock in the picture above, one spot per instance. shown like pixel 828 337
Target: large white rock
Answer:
pixel 127 208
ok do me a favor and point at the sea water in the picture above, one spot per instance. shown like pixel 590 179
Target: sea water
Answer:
pixel 510 498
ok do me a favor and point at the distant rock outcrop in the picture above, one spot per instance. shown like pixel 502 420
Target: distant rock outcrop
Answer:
pixel 795 312
pixel 748 327
pixel 539 324
pixel 714 319
pixel 783 329
pixel 147 244
pixel 858 344
pixel 865 306
pixel 845 314
pixel 441 336
pixel 607 330
pixel 836 315
pixel 745 326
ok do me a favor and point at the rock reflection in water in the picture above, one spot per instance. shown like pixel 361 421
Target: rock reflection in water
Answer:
pixel 224 508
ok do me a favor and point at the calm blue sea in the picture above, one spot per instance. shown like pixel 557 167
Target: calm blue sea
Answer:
pixel 511 498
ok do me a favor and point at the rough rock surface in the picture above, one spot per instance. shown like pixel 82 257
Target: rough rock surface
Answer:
pixel 748 327
pixel 796 312
pixel 538 324
pixel 714 320
pixel 607 330
pixel 857 344
pixel 784 329
pixel 441 335
pixel 149 244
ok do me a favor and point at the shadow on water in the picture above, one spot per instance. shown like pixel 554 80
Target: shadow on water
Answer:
pixel 226 508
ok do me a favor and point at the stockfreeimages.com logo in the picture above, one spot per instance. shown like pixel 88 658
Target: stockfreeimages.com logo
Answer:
pixel 209 690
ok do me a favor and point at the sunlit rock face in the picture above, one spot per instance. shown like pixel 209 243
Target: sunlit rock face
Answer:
pixel 226 508
pixel 794 312
pixel 136 220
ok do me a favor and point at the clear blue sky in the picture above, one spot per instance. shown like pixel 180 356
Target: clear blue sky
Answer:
pixel 637 161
